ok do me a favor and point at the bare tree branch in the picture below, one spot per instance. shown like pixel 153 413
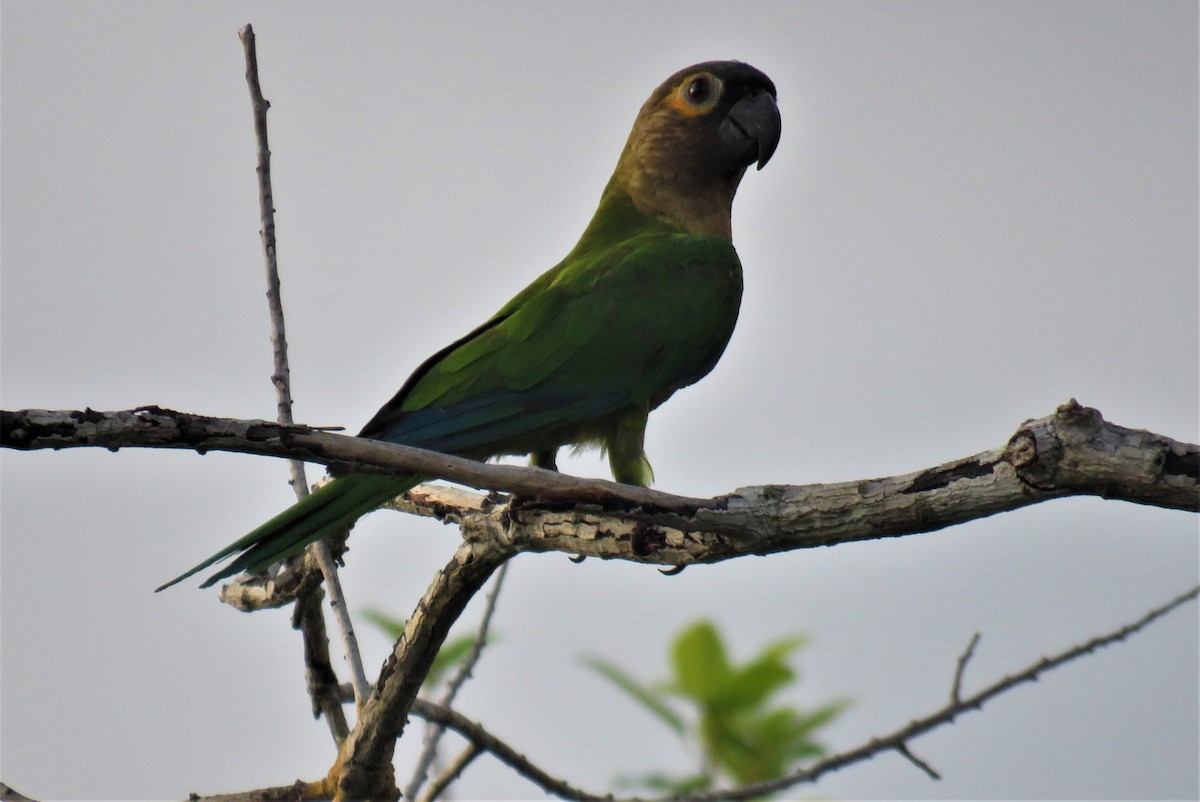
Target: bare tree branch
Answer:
pixel 476 734
pixel 295 792
pixel 916 761
pixel 434 734
pixel 452 773
pixel 895 741
pixel 281 377
pixel 963 659
pixel 308 617
pixel 949 712
pixel 322 682
pixel 12 795
pixel 155 427
pixel 364 766
pixel 1071 452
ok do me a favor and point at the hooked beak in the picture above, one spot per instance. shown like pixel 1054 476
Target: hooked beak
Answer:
pixel 752 128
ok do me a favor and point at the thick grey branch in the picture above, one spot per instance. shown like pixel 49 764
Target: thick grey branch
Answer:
pixel 155 427
pixel 1071 452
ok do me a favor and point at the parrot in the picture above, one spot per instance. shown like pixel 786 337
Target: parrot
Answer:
pixel 642 306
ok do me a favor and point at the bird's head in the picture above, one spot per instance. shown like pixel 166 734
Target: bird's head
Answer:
pixel 693 140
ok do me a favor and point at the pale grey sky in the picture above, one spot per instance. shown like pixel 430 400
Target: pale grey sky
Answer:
pixel 976 212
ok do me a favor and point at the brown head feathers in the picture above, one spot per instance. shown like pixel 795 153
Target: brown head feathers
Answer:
pixel 693 140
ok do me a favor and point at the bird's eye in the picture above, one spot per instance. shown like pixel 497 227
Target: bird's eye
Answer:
pixel 699 89
pixel 698 93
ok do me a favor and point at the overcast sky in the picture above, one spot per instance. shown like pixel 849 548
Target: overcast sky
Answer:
pixel 977 211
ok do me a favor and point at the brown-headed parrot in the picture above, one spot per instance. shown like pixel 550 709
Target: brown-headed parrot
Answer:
pixel 643 305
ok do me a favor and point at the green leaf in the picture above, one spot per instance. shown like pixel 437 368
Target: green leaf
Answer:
pixel 392 627
pixel 780 649
pixel 752 685
pixel 738 733
pixel 812 722
pixel 700 663
pixel 631 686
pixel 453 652
pixel 759 747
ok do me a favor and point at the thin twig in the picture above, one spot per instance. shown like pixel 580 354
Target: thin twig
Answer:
pixel 896 741
pixel 963 659
pixel 476 734
pixel 916 761
pixel 281 377
pixel 434 733
pixel 452 772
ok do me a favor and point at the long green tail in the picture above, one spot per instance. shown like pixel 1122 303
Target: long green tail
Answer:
pixel 335 505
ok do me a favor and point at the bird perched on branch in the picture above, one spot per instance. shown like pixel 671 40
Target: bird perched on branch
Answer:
pixel 642 306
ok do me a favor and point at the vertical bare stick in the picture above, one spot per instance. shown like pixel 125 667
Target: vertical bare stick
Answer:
pixel 266 203
pixel 281 377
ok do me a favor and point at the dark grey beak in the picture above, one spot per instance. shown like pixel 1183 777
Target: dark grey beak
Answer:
pixel 753 127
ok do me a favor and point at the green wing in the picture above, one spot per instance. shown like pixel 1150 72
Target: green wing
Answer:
pixel 610 330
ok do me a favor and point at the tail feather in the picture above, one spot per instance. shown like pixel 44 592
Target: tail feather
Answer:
pixel 336 505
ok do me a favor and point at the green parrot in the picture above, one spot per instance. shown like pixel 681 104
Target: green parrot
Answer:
pixel 642 306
